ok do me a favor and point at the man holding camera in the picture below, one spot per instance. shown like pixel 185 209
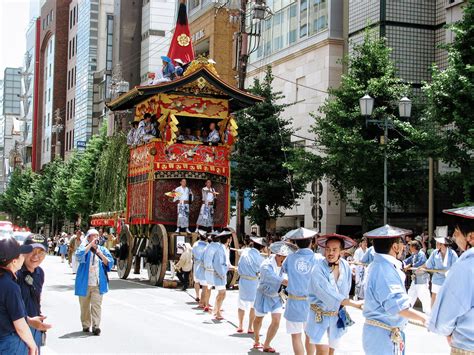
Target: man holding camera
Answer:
pixel 92 280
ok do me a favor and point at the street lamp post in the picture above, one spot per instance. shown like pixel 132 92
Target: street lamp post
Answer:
pixel 366 104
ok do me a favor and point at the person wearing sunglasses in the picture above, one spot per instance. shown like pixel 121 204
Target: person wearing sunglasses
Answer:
pixel 30 278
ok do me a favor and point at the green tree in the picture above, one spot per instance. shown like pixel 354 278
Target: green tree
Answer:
pixel 111 174
pixel 351 156
pixel 450 104
pixel 82 197
pixel 19 200
pixel 265 156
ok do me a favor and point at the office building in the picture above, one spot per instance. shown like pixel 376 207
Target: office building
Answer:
pixel 10 124
pixel 51 95
pixel 304 43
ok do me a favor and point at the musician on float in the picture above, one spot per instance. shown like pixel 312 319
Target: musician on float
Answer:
pixel 206 214
pixel 184 196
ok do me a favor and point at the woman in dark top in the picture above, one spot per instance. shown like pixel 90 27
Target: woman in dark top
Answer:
pixel 15 335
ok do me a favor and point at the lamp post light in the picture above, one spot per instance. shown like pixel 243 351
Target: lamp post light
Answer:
pixel 366 104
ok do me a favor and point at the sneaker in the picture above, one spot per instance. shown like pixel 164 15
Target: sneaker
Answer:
pixel 177 230
pixel 96 331
pixel 85 330
pixel 187 230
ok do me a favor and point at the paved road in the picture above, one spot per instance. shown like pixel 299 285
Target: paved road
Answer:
pixel 140 319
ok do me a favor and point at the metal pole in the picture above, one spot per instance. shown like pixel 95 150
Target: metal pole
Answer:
pixel 430 198
pixel 385 172
pixel 242 71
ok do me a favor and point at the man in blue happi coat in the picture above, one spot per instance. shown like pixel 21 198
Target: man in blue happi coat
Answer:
pixel 453 311
pixel 207 257
pixel 221 265
pixel 387 306
pixel 298 267
pixel 249 268
pixel 420 279
pixel 330 283
pixel 268 298
pixel 198 267
pixel 368 257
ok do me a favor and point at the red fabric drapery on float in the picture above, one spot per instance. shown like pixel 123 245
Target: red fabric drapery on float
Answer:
pixel 181 46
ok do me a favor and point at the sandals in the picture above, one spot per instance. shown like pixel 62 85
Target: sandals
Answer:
pixel 240 330
pixel 250 332
pixel 269 350
pixel 257 346
pixel 218 318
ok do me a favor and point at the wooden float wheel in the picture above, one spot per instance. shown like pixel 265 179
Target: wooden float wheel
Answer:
pixel 125 253
pixel 156 254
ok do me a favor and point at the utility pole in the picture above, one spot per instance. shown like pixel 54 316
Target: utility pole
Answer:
pixel 241 72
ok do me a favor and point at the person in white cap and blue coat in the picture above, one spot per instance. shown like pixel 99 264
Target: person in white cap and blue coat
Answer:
pixel 442 258
pixel 249 268
pixel 328 293
pixel 387 306
pixel 92 282
pixel 453 311
pixel 268 298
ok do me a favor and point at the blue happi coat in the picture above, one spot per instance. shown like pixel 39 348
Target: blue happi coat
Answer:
pixel 417 260
pixel 267 298
pixel 327 294
pixel 368 256
pixel 220 265
pixel 207 258
pixel 453 311
pixel 198 254
pixel 385 298
pixel 435 261
pixel 298 267
pixel 249 268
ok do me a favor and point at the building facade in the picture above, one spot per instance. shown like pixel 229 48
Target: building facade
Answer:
pixel 413 29
pixel 304 44
pixel 52 81
pixel 71 79
pixel 93 54
pixel 213 32
pixel 158 20
pixel 11 124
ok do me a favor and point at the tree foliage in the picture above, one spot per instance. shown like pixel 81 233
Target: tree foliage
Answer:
pixel 351 156
pixel 264 156
pixel 90 181
pixel 450 104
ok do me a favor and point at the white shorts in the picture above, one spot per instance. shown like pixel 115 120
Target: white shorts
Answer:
pixel 220 288
pixel 201 282
pixel 435 288
pixel 279 310
pixel 245 305
pixel 295 327
pixel 333 343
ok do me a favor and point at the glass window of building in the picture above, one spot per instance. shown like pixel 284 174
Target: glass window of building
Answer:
pixel 110 33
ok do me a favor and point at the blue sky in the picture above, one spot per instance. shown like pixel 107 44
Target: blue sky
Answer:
pixel 14 19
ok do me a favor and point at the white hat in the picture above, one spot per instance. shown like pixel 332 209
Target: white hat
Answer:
pixel 92 231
